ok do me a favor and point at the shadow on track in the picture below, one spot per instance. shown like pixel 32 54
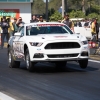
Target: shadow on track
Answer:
pixel 47 68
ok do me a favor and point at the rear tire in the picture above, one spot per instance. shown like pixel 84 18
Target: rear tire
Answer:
pixel 83 63
pixel 29 64
pixel 11 62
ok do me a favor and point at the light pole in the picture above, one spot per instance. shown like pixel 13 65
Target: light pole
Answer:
pixel 47 10
pixel 63 7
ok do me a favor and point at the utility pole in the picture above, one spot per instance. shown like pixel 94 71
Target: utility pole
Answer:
pixel 47 10
pixel 66 6
pixel 63 7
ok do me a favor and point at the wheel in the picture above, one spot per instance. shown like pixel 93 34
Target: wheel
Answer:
pixel 61 64
pixel 11 62
pixel 29 64
pixel 83 63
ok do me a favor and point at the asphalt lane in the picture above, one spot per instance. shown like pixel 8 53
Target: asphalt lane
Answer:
pixel 46 83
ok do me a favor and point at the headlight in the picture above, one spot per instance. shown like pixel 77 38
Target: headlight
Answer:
pixel 38 44
pixel 84 42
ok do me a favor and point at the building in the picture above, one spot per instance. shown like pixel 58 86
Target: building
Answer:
pixel 16 8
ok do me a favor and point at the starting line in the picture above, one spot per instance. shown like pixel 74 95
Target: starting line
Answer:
pixel 5 97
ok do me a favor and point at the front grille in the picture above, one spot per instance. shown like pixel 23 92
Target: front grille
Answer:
pixel 63 55
pixel 62 45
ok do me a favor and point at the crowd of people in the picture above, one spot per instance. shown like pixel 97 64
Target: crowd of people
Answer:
pixel 7 28
pixel 93 24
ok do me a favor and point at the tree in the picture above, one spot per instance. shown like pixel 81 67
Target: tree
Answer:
pixel 38 7
pixel 77 14
pixel 77 7
pixel 56 16
pixel 55 4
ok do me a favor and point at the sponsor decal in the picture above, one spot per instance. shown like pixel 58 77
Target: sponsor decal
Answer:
pixel 50 25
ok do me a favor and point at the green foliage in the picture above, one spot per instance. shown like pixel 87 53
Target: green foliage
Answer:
pixel 38 7
pixel 56 16
pixel 51 11
pixel 95 8
pixel 73 7
pixel 93 15
pixel 55 4
pixel 77 14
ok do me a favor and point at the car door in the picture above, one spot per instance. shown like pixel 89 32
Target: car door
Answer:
pixel 18 45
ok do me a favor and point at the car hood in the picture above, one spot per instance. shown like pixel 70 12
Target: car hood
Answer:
pixel 50 37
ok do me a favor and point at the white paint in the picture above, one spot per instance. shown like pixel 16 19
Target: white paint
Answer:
pixel 94 61
pixel 5 97
pixel 25 9
pixel 83 31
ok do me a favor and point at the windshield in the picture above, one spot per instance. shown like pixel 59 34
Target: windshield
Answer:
pixel 42 29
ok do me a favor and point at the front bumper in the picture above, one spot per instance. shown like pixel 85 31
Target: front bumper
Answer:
pixel 59 55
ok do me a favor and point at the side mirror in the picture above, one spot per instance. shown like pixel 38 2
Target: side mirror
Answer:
pixel 17 34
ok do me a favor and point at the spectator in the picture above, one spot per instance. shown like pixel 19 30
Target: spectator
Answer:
pixel 4 27
pixel 97 28
pixel 34 19
pixel 83 22
pixel 93 29
pixel 41 19
pixel 0 26
pixel 78 24
pixel 86 24
pixel 15 26
pixel 19 22
pixel 37 18
pixel 68 22
pixel 11 28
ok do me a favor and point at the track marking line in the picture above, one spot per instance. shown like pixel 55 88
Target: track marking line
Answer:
pixel 94 61
pixel 5 97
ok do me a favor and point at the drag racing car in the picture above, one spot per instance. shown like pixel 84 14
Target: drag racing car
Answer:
pixel 47 42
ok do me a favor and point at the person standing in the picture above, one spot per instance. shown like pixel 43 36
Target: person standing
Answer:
pixel 78 24
pixel 19 22
pixel 93 29
pixel 97 28
pixel 41 19
pixel 34 19
pixel 86 24
pixel 15 26
pixel 4 27
pixel 11 28
pixel 68 22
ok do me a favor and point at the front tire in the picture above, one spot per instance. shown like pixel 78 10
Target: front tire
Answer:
pixel 83 63
pixel 29 64
pixel 11 62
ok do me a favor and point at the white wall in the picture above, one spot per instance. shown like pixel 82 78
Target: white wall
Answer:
pixel 25 9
